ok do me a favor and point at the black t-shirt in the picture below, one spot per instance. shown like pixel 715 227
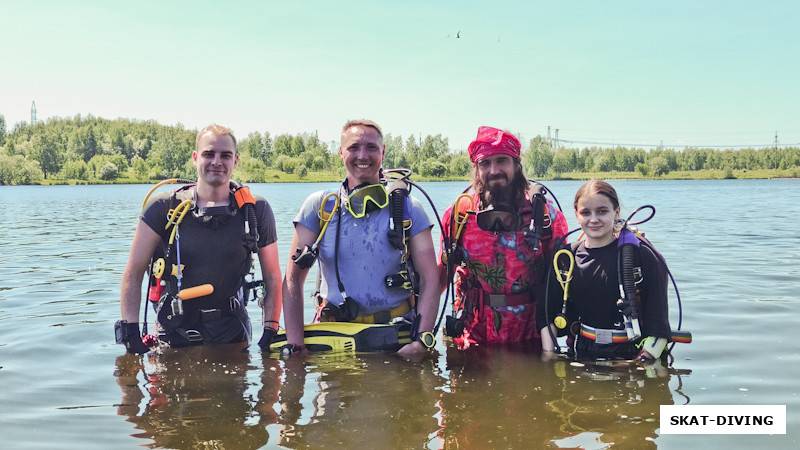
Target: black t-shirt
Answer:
pixel 594 291
pixel 211 251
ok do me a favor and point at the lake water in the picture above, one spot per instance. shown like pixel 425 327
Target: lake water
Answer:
pixel 732 245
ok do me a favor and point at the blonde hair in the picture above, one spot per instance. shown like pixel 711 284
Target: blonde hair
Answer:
pixel 216 130
pixel 363 123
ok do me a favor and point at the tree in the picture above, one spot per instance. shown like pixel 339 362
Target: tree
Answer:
pixel 659 166
pixel 412 153
pixel 170 156
pixel 460 165
pixel 606 162
pixel 539 157
pixel 47 151
pixel 90 145
pixel 250 170
pixel 266 145
pixel 394 149
pixel 2 130
pixel 563 161
pixel 18 170
pixel 75 170
pixel 301 171
pixel 318 163
pixel 298 146
pixel 11 149
pixel 435 147
pixel 282 145
pixel 140 168
pixel 109 171
pixel 433 168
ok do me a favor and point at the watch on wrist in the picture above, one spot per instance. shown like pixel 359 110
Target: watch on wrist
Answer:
pixel 427 339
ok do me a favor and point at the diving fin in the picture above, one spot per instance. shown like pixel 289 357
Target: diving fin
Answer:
pixel 348 337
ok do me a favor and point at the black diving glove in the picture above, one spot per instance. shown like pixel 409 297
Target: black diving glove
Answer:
pixel 129 334
pixel 266 338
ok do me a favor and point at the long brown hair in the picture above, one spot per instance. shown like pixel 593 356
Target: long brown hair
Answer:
pixel 594 186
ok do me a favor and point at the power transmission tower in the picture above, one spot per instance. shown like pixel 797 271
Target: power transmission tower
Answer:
pixel 776 149
pixel 33 113
pixel 556 143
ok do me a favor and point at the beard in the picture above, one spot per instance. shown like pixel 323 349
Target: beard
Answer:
pixel 499 193
pixel 509 193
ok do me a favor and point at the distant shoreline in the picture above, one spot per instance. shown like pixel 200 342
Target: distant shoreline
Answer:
pixel 328 177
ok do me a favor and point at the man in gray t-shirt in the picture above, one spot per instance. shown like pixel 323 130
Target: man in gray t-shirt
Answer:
pixel 355 254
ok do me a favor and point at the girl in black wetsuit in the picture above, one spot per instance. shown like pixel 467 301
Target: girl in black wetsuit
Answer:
pixel 592 313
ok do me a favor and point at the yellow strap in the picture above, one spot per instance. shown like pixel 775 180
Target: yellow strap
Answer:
pixel 564 277
pixel 394 312
pixel 325 217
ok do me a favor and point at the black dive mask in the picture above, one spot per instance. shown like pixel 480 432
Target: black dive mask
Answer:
pixel 215 216
pixel 499 218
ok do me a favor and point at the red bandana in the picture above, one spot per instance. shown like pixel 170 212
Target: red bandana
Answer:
pixel 493 141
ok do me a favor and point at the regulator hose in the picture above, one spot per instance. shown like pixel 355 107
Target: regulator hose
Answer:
pixel 627 260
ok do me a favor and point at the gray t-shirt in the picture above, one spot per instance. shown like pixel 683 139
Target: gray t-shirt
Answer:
pixel 365 256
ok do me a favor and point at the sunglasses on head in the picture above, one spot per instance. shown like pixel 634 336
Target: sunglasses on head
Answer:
pixel 498 219
pixel 367 199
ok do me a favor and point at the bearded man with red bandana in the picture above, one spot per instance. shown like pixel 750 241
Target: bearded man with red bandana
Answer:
pixel 501 254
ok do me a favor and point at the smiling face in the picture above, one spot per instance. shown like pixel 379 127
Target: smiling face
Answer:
pixel 596 215
pixel 362 153
pixel 215 158
pixel 496 171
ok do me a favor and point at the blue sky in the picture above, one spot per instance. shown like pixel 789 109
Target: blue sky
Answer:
pixel 698 73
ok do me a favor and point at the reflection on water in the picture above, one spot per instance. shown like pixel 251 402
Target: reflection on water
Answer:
pixel 501 398
pixel 368 401
pixel 198 397
pixel 732 246
pixel 486 398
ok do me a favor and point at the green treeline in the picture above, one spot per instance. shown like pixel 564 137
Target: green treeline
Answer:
pixel 90 149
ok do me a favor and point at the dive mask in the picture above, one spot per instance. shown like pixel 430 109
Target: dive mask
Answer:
pixel 214 215
pixel 499 218
pixel 366 199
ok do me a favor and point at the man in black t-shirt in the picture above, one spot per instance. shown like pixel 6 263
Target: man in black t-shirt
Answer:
pixel 209 248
